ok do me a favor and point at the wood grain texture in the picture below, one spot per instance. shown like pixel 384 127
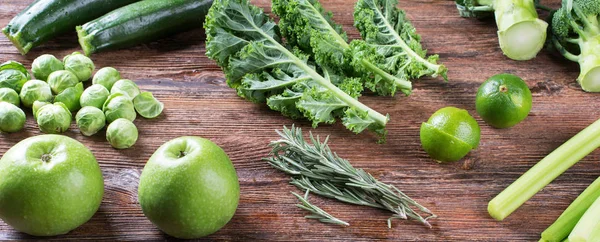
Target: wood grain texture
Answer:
pixel 198 102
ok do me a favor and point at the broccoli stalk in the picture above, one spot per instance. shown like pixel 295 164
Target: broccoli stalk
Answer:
pixel 521 33
pixel 575 27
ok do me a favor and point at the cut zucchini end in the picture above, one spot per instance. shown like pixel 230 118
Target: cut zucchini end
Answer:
pixel 85 41
pixel 17 41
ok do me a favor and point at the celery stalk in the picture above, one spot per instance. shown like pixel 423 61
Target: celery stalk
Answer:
pixel 563 226
pixel 587 229
pixel 545 172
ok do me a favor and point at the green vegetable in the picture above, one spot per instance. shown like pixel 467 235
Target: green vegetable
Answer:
pixel 80 65
pixel 244 42
pixel 304 23
pixel 13 75
pixel 563 226
pixel 106 77
pixel 44 65
pixel 118 106
pixel 126 87
pixel 545 172
pixel 37 105
pixel 317 213
pixel 61 80
pixel 70 97
pixel 90 120
pixel 520 33
pixel 576 28
pixel 35 90
pixel 313 166
pixel 45 19
pixel 94 96
pixel 121 134
pixel 386 28
pixel 54 118
pixel 147 105
pixel 12 118
pixel 141 22
pixel 588 228
pixel 10 96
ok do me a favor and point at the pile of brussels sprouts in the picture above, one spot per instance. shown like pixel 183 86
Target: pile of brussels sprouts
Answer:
pixel 58 91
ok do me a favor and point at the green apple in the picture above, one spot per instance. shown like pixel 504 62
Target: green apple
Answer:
pixel 189 188
pixel 49 185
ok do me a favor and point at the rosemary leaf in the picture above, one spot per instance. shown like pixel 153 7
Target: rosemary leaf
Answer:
pixel 317 213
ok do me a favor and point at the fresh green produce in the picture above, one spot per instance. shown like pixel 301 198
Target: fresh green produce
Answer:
pixel 36 107
pixel 13 75
pixel 563 226
pixel 588 228
pixel 61 80
pixel 140 22
pixel 245 43
pixel 35 90
pixel 147 105
pixel 121 134
pixel 520 32
pixel 49 185
pixel 45 19
pixel 106 77
pixel 304 23
pixel 576 34
pixel 90 120
pixel 503 101
pixel 70 97
pixel 450 134
pixel 10 96
pixel 94 96
pixel 317 213
pixel 118 106
pixel 189 188
pixel 12 118
pixel 80 65
pixel 44 65
pixel 545 172
pixel 54 119
pixel 126 87
pixel 316 168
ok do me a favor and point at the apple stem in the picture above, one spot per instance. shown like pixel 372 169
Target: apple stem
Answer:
pixel 182 154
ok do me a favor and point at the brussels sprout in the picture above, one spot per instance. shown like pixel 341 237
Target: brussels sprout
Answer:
pixel 106 77
pixel 37 105
pixel 12 118
pixel 10 96
pixel 80 65
pixel 13 65
pixel 147 105
pixel 35 90
pixel 44 65
pixel 121 134
pixel 61 80
pixel 118 106
pixel 70 97
pixel 54 118
pixel 90 120
pixel 127 87
pixel 94 96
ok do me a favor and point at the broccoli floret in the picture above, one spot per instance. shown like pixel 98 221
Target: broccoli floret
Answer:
pixel 576 35
pixel 520 33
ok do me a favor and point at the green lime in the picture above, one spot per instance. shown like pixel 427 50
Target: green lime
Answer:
pixel 503 101
pixel 449 134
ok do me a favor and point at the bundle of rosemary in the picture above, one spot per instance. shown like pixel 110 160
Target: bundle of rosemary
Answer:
pixel 315 168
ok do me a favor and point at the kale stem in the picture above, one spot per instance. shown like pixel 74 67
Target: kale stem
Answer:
pixel 545 172
pixel 404 85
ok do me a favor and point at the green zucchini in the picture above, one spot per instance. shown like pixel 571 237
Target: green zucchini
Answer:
pixel 141 22
pixel 45 19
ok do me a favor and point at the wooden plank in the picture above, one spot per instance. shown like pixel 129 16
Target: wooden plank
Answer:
pixel 198 102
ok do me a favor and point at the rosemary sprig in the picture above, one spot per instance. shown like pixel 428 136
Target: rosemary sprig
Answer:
pixel 317 213
pixel 313 166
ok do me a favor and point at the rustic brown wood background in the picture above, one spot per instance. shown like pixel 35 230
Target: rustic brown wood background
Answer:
pixel 198 102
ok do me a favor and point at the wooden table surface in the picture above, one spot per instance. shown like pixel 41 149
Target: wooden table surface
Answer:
pixel 198 102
